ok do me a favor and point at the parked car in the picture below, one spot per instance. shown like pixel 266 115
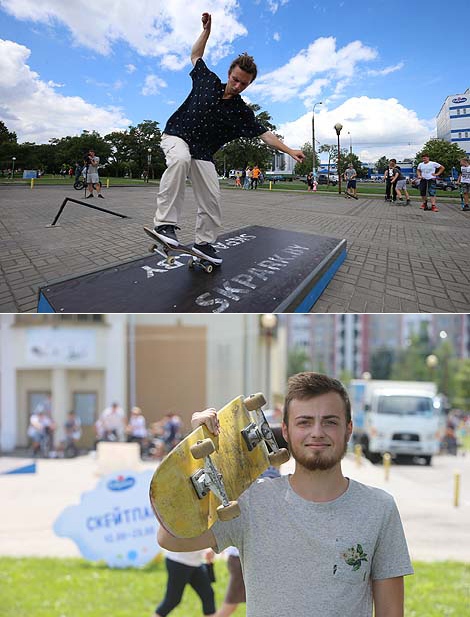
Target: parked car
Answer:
pixel 443 184
pixel 323 179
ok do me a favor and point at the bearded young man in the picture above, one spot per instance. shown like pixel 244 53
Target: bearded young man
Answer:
pixel 314 543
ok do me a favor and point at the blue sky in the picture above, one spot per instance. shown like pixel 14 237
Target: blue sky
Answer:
pixel 382 69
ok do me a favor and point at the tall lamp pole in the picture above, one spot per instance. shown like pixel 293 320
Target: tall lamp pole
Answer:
pixel 338 128
pixel 268 323
pixel 314 162
pixel 350 143
pixel 149 161
pixel 13 158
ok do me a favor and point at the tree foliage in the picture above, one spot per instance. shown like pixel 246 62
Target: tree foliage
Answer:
pixel 443 152
pixel 298 361
pixel 306 166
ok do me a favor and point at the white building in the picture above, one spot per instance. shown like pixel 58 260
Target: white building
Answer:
pixel 453 120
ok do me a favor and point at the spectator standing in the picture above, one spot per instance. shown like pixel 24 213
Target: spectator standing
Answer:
pixel 350 176
pixel 92 176
pixel 400 184
pixel 254 177
pixel 427 172
pixel 110 425
pixel 388 175
pixel 464 182
pixel 136 429
pixel 248 177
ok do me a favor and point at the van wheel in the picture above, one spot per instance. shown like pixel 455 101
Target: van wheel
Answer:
pixel 427 460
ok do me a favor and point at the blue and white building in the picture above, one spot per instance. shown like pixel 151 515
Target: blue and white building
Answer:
pixel 453 120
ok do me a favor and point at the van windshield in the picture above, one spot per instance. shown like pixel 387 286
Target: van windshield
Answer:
pixel 405 405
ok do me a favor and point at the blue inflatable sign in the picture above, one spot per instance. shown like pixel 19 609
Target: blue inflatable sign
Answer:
pixel 114 522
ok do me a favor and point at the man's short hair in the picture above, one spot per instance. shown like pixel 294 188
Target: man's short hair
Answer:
pixel 307 385
pixel 245 63
pixel 392 160
pixel 425 154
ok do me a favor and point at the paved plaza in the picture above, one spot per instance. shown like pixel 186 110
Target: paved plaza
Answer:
pixel 400 258
pixel 436 530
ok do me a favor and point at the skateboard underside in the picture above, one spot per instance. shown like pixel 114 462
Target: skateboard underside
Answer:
pixel 172 494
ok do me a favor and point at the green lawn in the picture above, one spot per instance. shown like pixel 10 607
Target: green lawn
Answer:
pixel 36 587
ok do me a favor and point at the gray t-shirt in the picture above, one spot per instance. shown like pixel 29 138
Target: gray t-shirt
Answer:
pixel 309 559
pixel 349 173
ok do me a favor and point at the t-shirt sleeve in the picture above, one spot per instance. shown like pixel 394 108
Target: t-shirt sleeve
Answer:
pixel 391 557
pixel 199 70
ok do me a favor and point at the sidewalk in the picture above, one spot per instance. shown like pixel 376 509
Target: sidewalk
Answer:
pixel 435 529
pixel 400 259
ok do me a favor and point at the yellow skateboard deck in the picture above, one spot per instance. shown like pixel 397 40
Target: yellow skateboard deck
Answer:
pixel 173 495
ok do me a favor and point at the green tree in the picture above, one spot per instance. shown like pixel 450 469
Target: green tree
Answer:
pixel 462 385
pixel 381 165
pixel 443 152
pixel 381 363
pixel 302 169
pixel 298 361
pixel 6 136
pixel 411 362
pixel 332 152
pixel 246 151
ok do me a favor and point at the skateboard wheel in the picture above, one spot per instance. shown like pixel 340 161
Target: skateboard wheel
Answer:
pixel 255 401
pixel 202 448
pixel 170 260
pixel 227 513
pixel 209 268
pixel 279 458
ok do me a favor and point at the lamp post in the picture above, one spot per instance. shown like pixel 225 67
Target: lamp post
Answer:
pixel 149 161
pixel 314 162
pixel 350 143
pixel 338 128
pixel 268 322
pixel 13 158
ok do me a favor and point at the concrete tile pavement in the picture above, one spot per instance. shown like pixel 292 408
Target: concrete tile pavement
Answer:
pixel 435 529
pixel 400 259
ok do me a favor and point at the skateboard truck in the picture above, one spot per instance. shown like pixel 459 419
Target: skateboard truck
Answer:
pixel 209 479
pixel 259 430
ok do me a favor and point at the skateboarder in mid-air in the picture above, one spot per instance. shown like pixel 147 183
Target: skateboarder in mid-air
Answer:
pixel 212 115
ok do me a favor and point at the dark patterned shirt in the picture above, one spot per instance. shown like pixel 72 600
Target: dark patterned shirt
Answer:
pixel 206 121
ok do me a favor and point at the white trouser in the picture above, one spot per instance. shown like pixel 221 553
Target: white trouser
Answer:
pixel 170 199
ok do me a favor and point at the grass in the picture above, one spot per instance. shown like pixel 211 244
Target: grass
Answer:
pixel 75 588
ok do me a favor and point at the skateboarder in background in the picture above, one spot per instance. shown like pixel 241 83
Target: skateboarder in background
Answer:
pixel 336 544
pixel 464 182
pixel 350 176
pixel 428 171
pixel 212 115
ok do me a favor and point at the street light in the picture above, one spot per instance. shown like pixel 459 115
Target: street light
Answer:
pixel 314 165
pixel 268 322
pixel 149 160
pixel 13 158
pixel 350 143
pixel 338 128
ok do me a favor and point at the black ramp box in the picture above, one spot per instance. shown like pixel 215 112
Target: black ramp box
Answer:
pixel 265 270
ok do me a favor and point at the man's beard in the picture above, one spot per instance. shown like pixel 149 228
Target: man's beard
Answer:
pixel 318 461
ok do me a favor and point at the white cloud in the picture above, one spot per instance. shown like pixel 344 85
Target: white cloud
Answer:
pixel 273 5
pixel 155 28
pixel 130 68
pixel 36 112
pixel 153 85
pixel 377 127
pixel 386 71
pixel 277 36
pixel 308 72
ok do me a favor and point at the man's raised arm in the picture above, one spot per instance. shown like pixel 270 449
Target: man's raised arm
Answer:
pixel 200 45
pixel 271 140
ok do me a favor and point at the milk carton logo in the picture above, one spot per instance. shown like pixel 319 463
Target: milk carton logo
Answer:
pixel 114 522
pixel 459 99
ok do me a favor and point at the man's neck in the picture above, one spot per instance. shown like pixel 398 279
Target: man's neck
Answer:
pixel 319 485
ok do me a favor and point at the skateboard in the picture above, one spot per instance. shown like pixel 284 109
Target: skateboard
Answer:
pixel 200 480
pixel 166 250
pixel 348 195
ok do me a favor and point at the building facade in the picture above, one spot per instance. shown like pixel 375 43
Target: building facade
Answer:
pixel 161 363
pixel 453 120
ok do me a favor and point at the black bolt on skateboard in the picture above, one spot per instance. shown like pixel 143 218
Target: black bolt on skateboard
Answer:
pixel 167 251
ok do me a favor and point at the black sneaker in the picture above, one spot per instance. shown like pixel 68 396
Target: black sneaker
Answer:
pixel 208 252
pixel 167 233
pixel 100 196
pixel 91 195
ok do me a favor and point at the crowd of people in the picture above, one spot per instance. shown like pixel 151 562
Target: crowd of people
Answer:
pixel 113 424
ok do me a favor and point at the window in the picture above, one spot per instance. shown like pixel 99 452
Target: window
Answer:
pixel 85 405
pixel 38 401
